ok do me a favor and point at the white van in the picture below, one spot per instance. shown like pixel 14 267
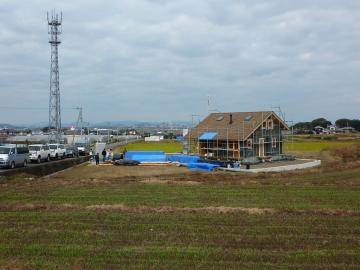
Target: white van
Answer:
pixel 39 152
pixel 12 155
pixel 57 151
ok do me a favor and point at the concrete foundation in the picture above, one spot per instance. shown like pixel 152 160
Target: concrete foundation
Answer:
pixel 309 163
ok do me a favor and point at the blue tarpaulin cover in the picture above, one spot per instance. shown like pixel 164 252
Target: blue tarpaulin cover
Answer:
pixel 183 158
pixel 202 166
pixel 192 162
pixel 146 156
pixel 208 136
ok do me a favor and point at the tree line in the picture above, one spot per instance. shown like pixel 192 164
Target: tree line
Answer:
pixel 322 122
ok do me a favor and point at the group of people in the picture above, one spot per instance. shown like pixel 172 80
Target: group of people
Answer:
pixel 106 155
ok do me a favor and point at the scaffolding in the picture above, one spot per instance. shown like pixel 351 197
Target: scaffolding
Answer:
pixel 264 141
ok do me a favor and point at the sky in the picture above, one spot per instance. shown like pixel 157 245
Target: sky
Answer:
pixel 158 60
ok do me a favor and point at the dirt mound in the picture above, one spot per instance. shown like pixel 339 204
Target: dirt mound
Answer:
pixel 170 209
pixel 175 182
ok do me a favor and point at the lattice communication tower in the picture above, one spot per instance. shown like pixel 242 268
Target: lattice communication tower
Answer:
pixel 54 30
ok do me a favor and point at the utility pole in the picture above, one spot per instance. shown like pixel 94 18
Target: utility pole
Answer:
pixel 192 119
pixel 208 104
pixel 79 123
pixel 54 30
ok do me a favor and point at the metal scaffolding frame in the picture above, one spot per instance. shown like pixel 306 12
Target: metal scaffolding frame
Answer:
pixel 195 145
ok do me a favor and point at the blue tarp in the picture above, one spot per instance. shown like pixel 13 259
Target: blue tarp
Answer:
pixel 183 158
pixel 192 162
pixel 146 156
pixel 202 166
pixel 180 138
pixel 208 136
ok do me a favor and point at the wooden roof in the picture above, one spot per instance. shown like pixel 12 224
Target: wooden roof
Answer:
pixel 242 126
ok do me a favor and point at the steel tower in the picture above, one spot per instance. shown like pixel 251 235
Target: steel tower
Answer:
pixel 54 30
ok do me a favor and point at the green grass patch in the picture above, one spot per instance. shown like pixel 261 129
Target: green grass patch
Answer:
pixel 168 146
pixel 158 195
pixel 314 146
pixel 178 241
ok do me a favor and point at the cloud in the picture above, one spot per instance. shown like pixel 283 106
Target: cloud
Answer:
pixel 158 60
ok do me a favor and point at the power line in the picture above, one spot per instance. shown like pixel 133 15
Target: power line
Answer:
pixel 30 108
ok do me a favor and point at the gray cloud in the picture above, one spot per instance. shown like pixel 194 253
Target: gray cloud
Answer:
pixel 158 60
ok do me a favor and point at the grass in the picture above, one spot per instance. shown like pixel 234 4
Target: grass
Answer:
pixel 108 217
pixel 195 196
pixel 168 146
pixel 183 241
pixel 315 146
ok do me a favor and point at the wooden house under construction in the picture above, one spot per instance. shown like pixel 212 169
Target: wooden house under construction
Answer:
pixel 238 135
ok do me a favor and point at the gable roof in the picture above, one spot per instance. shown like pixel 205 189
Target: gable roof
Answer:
pixel 240 127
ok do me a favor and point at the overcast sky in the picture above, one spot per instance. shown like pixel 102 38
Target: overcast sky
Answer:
pixel 159 60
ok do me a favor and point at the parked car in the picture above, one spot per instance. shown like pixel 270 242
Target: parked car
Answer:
pixel 83 149
pixel 12 155
pixel 72 151
pixel 57 151
pixel 39 152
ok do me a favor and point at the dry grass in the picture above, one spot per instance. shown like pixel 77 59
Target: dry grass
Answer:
pixel 341 157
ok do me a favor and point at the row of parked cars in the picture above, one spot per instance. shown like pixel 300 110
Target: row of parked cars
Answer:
pixel 14 155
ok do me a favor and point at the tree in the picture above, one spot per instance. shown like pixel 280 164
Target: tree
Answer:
pixel 355 124
pixel 308 126
pixel 322 122
pixel 46 129
pixel 303 126
pixel 344 122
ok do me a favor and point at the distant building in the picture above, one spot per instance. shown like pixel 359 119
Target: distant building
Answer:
pixel 239 135
pixel 154 138
pixel 320 130
pixel 347 130
pixel 332 129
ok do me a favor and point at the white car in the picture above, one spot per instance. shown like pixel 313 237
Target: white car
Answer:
pixel 39 152
pixel 57 151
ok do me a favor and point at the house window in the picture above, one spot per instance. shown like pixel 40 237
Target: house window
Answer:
pixel 249 143
pixel 270 124
pixel 264 125
pixel 273 142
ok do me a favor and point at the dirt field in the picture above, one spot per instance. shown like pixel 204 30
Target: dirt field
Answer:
pixel 108 217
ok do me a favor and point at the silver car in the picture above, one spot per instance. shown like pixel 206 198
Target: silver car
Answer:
pixel 12 155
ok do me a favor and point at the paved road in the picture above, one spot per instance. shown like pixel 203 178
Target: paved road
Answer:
pixel 36 164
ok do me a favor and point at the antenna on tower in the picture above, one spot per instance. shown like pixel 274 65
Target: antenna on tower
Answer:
pixel 54 30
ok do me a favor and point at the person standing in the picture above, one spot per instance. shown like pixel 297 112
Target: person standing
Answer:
pixel 104 155
pixel 97 159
